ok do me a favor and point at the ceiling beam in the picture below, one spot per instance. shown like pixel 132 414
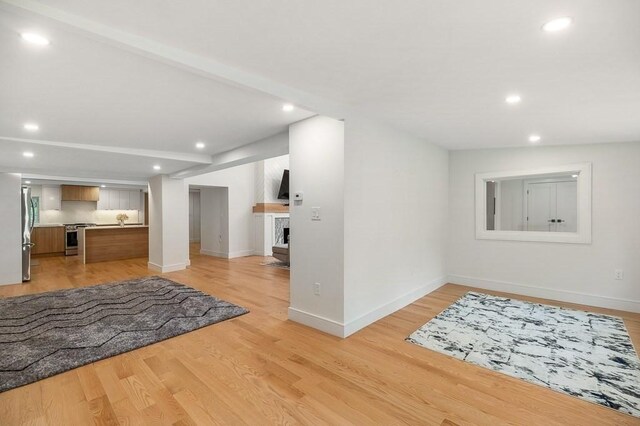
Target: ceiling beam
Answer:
pixel 273 146
pixel 197 64
pixel 69 179
pixel 149 153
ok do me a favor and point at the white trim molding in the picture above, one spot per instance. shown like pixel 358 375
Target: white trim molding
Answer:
pixel 393 306
pixel 214 253
pixel 343 330
pixel 548 293
pixel 326 325
pixel 583 234
pixel 167 268
pixel 230 255
pixel 240 253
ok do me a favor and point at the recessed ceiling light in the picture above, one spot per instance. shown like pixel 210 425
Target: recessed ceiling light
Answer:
pixel 27 182
pixel 103 186
pixel 199 145
pixel 28 154
pixel 287 107
pixel 574 176
pixel 534 138
pixel 156 167
pixel 34 38
pixel 32 127
pixel 557 24
pixel 513 99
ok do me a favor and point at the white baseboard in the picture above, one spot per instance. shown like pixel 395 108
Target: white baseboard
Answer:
pixel 327 325
pixel 230 255
pixel 548 293
pixel 214 253
pixel 241 253
pixel 167 268
pixel 340 329
pixel 392 306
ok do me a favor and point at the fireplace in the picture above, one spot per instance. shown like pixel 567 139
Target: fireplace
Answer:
pixel 281 228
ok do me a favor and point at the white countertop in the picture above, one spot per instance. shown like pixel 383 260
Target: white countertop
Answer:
pixel 116 227
pixel 47 225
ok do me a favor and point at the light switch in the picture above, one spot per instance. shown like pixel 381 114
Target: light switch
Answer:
pixel 315 213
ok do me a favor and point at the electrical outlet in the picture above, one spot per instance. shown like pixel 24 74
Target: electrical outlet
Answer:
pixel 618 274
pixel 316 289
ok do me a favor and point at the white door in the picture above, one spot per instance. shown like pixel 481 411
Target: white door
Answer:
pixel 540 206
pixel 552 207
pixel 194 217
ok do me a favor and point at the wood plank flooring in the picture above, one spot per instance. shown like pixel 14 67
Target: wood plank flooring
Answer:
pixel 261 369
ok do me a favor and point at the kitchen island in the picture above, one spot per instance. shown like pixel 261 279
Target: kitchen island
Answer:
pixel 104 243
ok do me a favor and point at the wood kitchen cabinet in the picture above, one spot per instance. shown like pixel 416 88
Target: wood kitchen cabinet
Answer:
pixel 80 193
pixel 48 240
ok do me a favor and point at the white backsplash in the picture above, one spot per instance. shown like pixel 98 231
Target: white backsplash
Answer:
pixel 82 212
pixel 85 212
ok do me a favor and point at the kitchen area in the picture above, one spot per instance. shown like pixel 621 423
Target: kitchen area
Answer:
pixel 85 223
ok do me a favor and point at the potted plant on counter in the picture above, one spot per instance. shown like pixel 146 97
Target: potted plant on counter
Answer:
pixel 121 218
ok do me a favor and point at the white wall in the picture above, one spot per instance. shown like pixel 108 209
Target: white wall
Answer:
pixel 240 182
pixel 316 150
pixel 10 237
pixel 194 216
pixel 268 178
pixel 582 273
pixel 214 204
pixel 168 224
pixel 396 207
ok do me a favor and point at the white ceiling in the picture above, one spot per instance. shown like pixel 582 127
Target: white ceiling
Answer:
pixel 439 70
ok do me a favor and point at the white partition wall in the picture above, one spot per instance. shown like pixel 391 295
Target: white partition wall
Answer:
pixel 396 216
pixel 369 233
pixel 316 155
pixel 168 224
pixel 10 237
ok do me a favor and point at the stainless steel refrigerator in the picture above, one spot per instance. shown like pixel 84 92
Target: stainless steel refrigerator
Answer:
pixel 28 218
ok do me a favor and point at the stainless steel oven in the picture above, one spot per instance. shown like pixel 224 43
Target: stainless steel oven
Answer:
pixel 71 237
pixel 71 240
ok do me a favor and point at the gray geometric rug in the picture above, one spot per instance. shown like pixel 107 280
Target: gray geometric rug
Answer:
pixel 586 355
pixel 47 333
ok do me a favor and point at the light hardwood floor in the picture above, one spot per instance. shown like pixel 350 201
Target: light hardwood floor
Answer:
pixel 261 369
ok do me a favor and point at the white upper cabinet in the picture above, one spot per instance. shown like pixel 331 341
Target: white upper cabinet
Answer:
pixel 119 199
pixel 103 201
pixel 114 199
pixel 51 198
pixel 124 200
pixel 134 200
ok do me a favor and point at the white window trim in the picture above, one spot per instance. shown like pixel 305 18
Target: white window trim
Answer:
pixel 582 236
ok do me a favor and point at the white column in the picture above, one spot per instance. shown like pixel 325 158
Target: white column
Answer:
pixel 10 237
pixel 316 155
pixel 168 224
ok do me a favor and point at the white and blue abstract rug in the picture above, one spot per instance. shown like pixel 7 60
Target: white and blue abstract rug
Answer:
pixel 586 355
